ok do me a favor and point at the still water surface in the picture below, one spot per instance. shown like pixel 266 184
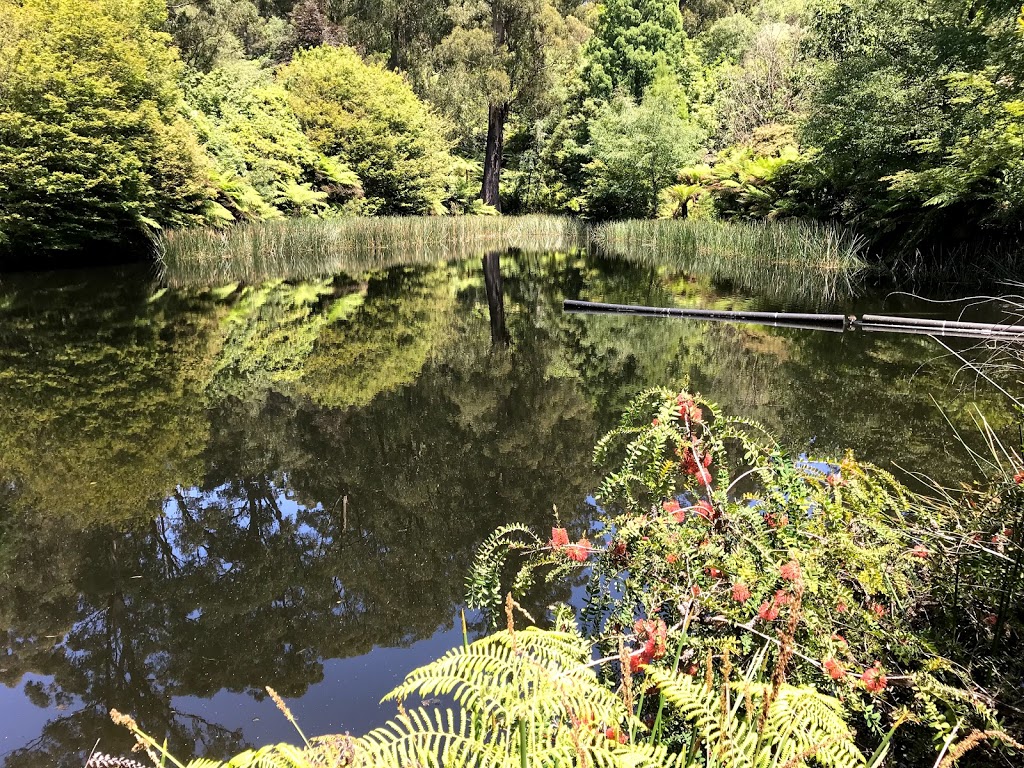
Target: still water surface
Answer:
pixel 203 492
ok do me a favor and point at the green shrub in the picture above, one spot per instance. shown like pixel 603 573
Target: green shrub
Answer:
pixel 92 145
pixel 370 119
pixel 264 164
pixel 707 527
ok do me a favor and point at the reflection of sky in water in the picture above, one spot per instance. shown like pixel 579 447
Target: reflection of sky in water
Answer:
pixel 346 701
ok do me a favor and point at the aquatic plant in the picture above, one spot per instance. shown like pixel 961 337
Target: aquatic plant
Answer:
pixel 312 247
pixel 788 261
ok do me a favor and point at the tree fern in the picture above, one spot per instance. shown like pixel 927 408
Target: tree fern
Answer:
pixel 803 726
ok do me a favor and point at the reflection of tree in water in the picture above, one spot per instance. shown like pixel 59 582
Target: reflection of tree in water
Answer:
pixel 257 574
pixel 292 473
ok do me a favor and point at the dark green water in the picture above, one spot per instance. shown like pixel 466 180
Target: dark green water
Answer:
pixel 206 492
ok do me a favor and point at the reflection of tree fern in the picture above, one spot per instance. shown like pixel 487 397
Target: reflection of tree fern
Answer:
pixel 802 726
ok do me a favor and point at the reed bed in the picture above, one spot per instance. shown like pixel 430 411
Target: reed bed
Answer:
pixel 309 248
pixel 790 262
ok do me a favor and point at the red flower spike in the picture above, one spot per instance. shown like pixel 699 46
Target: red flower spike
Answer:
pixel 714 573
pixel 578 552
pixel 654 423
pixel 878 609
pixel 768 611
pixel 705 510
pixel 790 571
pixel 559 538
pixel 782 598
pixel 874 679
pixel 1018 478
pixel 740 593
pixel 695 590
pixel 834 668
pixel 841 607
pixel 671 558
pixel 920 551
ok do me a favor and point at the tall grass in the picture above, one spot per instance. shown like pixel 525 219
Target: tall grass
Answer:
pixel 787 261
pixel 310 247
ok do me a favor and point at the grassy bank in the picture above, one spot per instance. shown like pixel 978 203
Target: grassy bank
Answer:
pixel 311 247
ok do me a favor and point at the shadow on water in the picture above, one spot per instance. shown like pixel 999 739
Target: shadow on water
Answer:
pixel 210 490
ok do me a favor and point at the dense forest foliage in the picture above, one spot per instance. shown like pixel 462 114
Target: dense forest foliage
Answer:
pixel 120 118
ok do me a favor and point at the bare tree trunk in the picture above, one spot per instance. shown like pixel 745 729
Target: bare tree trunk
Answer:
pixel 496 116
pixel 495 299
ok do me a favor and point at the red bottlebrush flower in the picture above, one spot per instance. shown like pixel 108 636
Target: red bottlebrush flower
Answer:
pixel 834 668
pixel 671 558
pixel 1018 478
pixel 705 510
pixel 673 508
pixel 578 552
pixel 695 466
pixel 559 538
pixel 878 609
pixel 790 571
pixel 841 607
pixel 695 590
pixel 654 422
pixel 614 734
pixel 689 409
pixel 768 611
pixel 782 597
pixel 654 634
pixel 874 679
pixel 740 593
pixel 920 551
pixel 714 573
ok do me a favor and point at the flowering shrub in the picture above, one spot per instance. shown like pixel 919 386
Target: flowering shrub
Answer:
pixel 707 527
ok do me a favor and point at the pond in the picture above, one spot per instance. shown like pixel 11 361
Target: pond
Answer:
pixel 207 491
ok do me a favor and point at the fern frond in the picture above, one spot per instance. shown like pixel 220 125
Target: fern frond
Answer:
pixel 483 584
